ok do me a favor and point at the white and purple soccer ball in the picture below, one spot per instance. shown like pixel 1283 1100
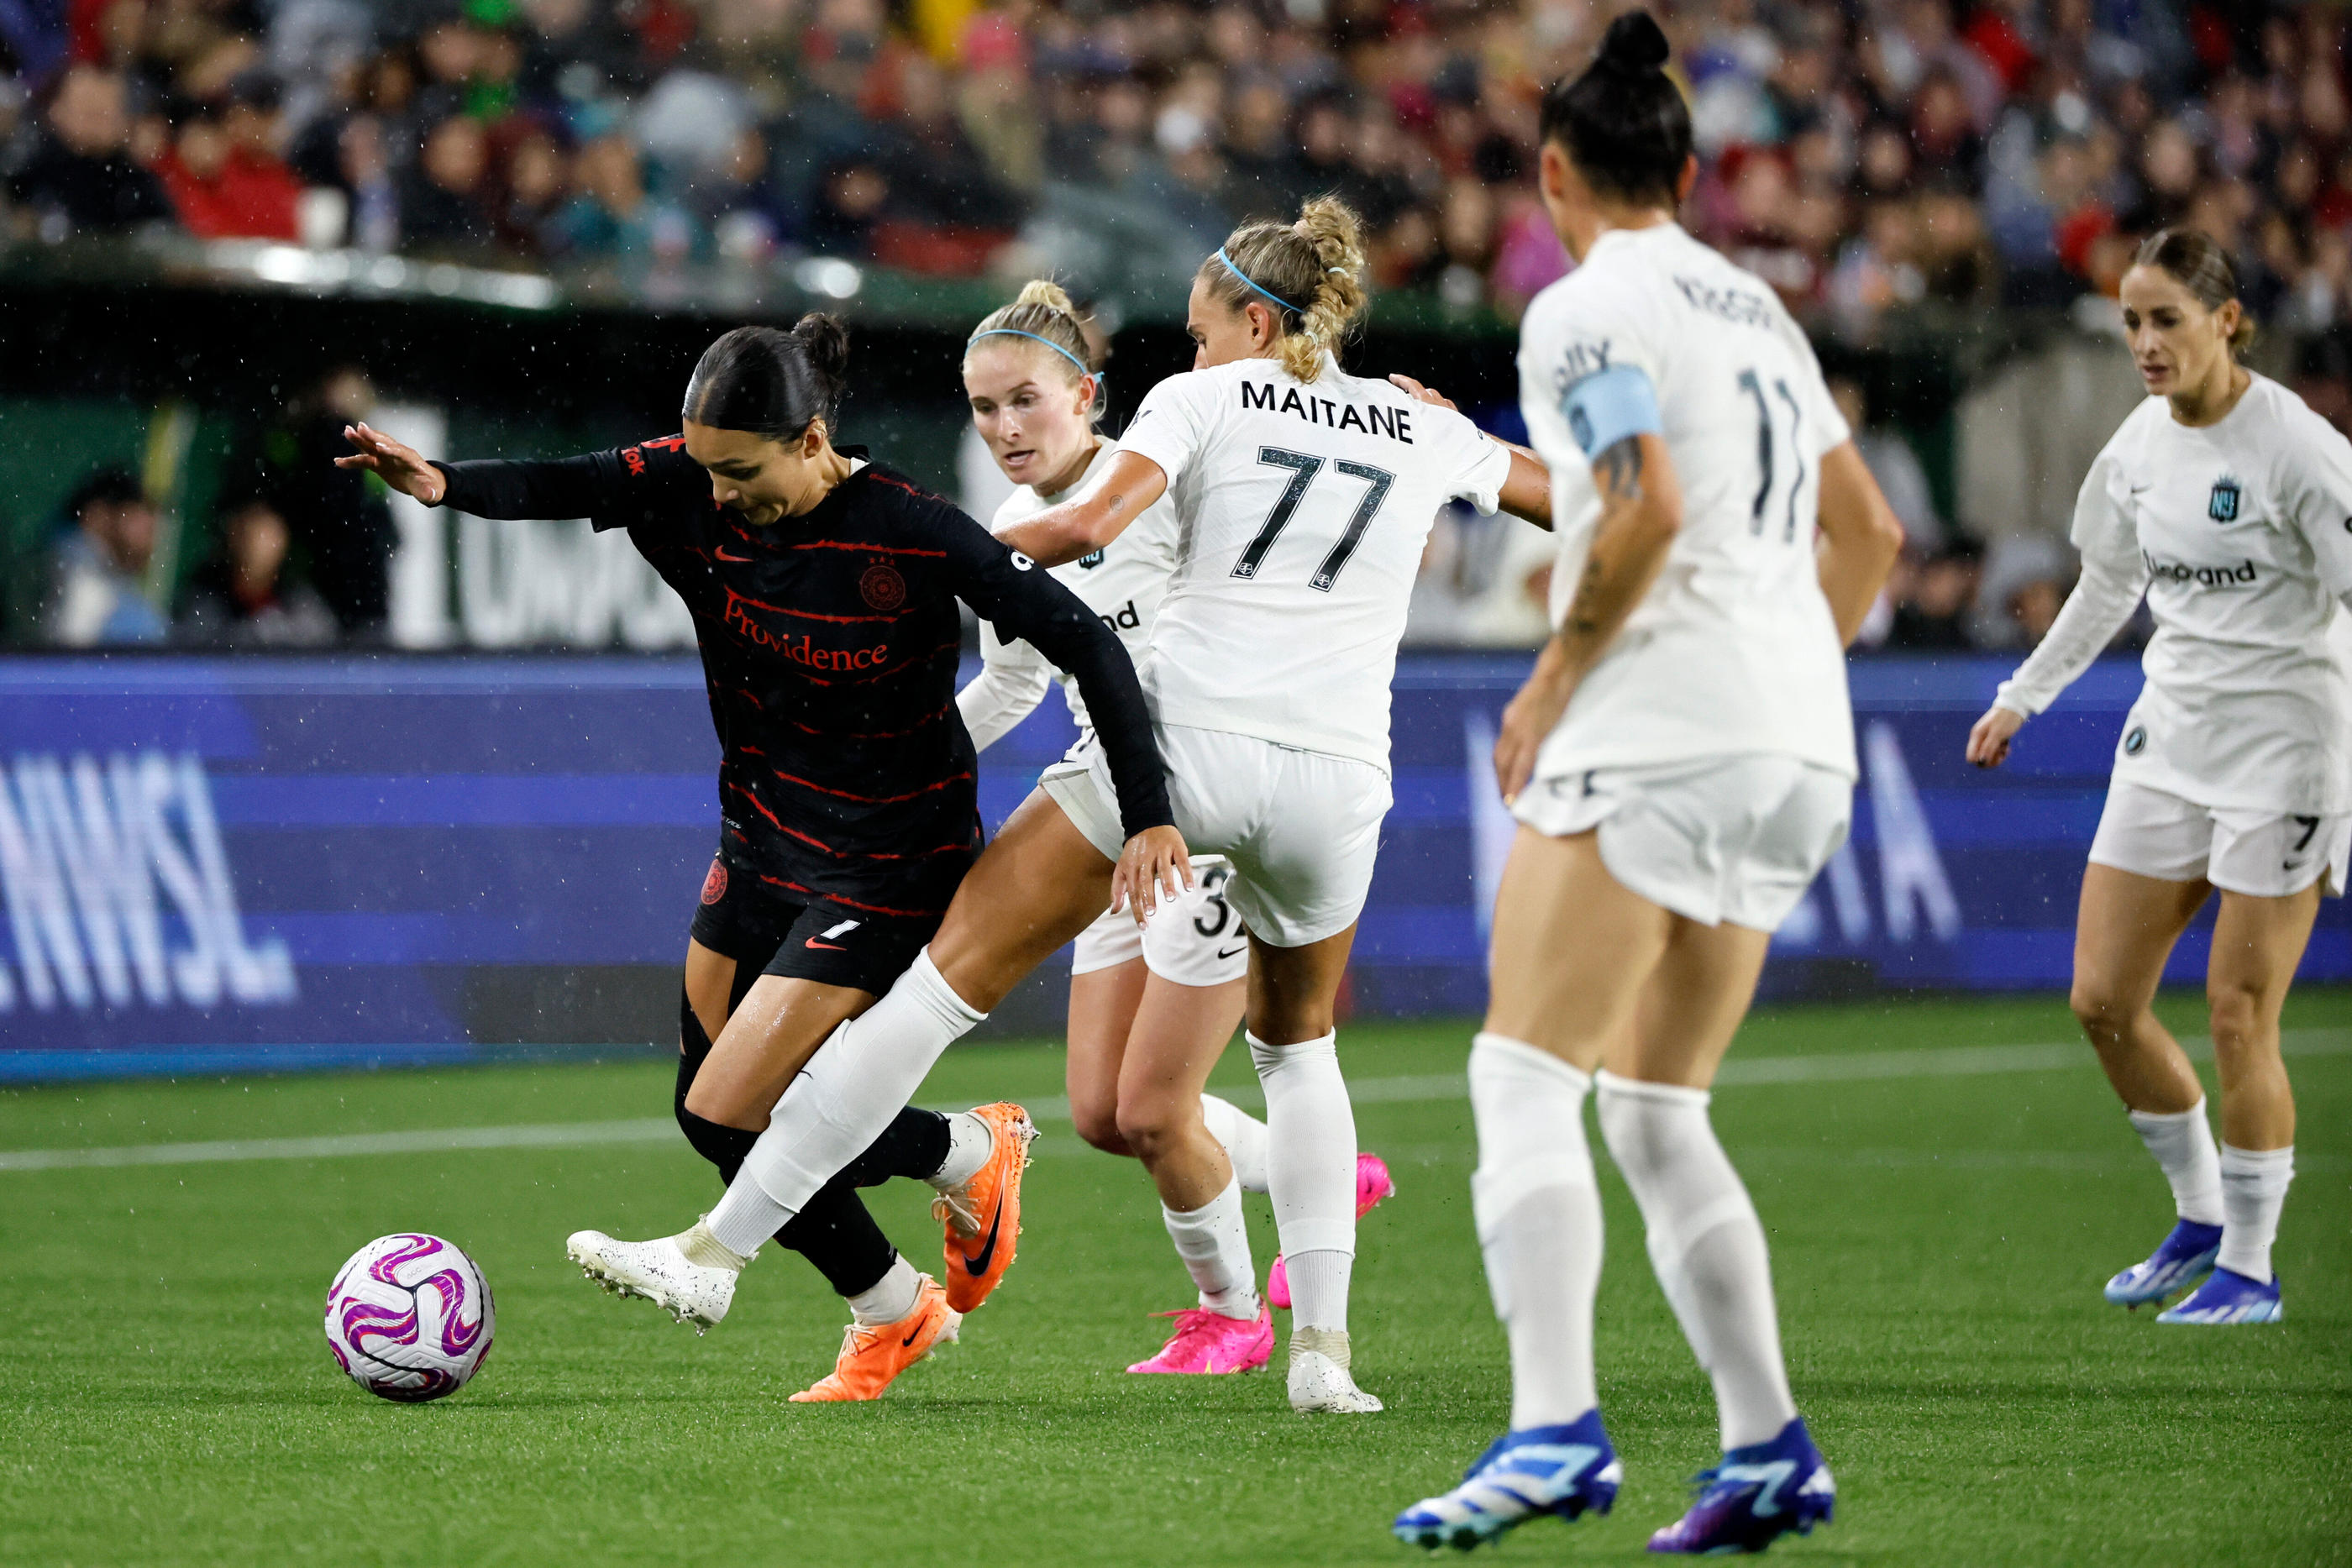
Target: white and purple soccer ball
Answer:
pixel 410 1318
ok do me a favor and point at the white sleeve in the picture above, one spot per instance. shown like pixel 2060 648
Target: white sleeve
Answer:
pixel 1173 422
pixel 1479 464
pixel 1013 678
pixel 2114 578
pixel 2321 496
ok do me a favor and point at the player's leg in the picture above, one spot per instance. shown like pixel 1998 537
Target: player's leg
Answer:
pixel 2124 932
pixel 1103 999
pixel 1730 850
pixel 1037 885
pixel 1570 950
pixel 1180 1032
pixel 2258 942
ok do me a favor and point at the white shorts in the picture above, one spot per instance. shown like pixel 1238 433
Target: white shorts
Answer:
pixel 1196 941
pixel 1301 828
pixel 1734 839
pixel 2154 833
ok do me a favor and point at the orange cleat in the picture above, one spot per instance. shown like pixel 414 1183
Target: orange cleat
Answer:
pixel 983 1217
pixel 874 1354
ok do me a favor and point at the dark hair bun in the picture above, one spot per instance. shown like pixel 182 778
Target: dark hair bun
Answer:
pixel 1634 46
pixel 825 339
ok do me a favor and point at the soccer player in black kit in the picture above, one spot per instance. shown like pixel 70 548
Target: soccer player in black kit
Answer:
pixel 822 587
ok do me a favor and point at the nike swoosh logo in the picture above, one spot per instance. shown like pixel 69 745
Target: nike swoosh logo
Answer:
pixel 909 1342
pixel 827 947
pixel 1229 952
pixel 2291 865
pixel 979 1266
pixel 722 555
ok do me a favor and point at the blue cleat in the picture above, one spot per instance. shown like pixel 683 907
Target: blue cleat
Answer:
pixel 1757 1495
pixel 2229 1297
pixel 2185 1257
pixel 1562 1470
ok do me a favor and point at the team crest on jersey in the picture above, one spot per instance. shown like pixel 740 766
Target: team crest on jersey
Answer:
pixel 882 586
pixel 2222 505
pixel 1088 562
pixel 714 886
pixel 2136 741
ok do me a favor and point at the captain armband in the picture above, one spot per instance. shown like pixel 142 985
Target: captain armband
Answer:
pixel 1607 406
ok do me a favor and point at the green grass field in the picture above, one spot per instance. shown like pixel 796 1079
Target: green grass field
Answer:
pixel 1941 1224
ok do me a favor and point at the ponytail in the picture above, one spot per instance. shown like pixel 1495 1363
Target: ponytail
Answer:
pixel 1310 274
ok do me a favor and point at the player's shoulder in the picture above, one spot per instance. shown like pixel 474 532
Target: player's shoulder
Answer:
pixel 891 508
pixel 2282 414
pixel 657 458
pixel 1019 507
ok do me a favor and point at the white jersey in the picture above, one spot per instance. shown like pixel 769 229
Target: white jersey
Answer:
pixel 2241 534
pixel 1734 650
pixel 1123 582
pixel 1304 509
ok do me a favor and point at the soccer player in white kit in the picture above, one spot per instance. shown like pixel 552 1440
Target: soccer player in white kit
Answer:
pixel 1681 763
pixel 1151 1009
pixel 2227 502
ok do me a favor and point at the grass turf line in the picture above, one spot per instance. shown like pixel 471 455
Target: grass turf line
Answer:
pixel 1938 1245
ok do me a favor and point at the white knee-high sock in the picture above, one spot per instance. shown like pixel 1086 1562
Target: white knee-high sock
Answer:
pixel 842 1100
pixel 1539 1215
pixel 1244 1137
pixel 2182 1142
pixel 1311 1172
pixel 2253 1191
pixel 1213 1241
pixel 1706 1245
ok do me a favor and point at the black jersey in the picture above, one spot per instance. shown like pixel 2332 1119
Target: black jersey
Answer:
pixel 829 646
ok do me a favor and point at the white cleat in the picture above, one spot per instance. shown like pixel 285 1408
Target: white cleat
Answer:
pixel 690 1277
pixel 1320 1380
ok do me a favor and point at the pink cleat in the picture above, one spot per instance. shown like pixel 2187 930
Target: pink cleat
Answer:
pixel 1372 1185
pixel 1207 1341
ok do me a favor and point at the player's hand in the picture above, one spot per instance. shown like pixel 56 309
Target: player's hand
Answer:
pixel 1988 739
pixel 1531 715
pixel 1420 393
pixel 397 465
pixel 1154 865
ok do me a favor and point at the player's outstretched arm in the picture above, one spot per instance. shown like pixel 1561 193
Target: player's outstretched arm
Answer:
pixel 2097 609
pixel 1861 537
pixel 495 487
pixel 1079 527
pixel 1526 493
pixel 1640 513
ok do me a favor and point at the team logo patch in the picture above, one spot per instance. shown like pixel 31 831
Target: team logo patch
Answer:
pixel 714 886
pixel 2222 505
pixel 2136 741
pixel 882 587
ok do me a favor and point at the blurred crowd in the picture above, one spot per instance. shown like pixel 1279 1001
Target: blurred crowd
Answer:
pixel 299 553
pixel 1860 153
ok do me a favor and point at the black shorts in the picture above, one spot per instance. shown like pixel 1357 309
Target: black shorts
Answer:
pixel 776 931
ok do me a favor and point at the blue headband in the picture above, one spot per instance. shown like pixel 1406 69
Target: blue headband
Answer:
pixel 1015 332
pixel 1253 283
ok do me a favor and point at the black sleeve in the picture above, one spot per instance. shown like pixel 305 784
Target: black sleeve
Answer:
pixel 612 489
pixel 1024 604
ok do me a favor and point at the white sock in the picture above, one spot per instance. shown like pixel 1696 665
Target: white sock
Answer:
pixel 1310 1172
pixel 1213 1241
pixel 2253 1190
pixel 892 1297
pixel 851 1088
pixel 1244 1137
pixel 970 1143
pixel 2182 1142
pixel 1706 1245
pixel 1539 1215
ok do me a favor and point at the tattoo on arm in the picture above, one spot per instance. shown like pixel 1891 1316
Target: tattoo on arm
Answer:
pixel 1620 470
pixel 1583 618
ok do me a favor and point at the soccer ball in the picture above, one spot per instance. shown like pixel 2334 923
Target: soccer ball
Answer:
pixel 410 1318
